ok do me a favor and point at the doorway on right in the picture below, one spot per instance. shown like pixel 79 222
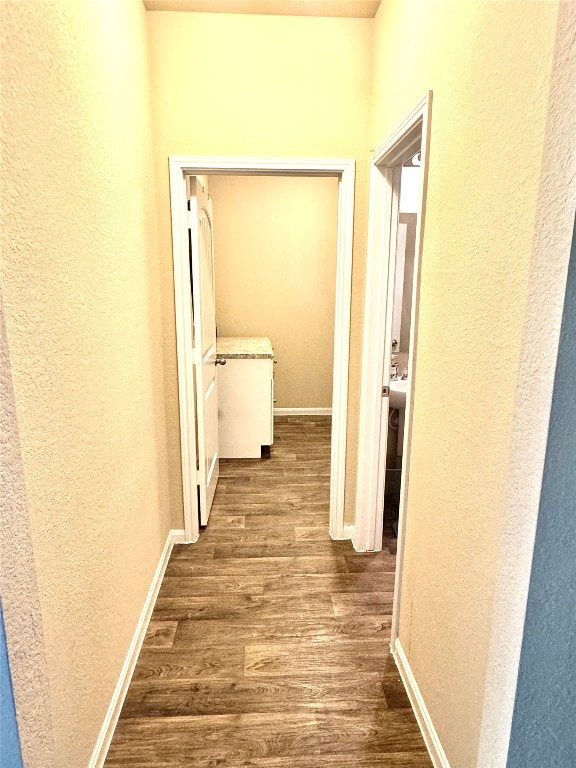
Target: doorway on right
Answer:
pixel 398 182
pixel 405 252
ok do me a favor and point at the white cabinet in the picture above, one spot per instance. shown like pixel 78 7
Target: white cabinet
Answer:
pixel 245 397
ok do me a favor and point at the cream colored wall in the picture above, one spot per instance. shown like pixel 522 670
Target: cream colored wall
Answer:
pixel 275 256
pixel 261 86
pixel 489 65
pixel 88 507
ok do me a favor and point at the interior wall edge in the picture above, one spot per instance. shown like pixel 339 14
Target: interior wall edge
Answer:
pixel 544 307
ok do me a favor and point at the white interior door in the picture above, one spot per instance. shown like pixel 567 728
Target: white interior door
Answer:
pixel 204 357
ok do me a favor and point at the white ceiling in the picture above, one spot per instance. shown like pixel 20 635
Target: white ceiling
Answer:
pixel 343 8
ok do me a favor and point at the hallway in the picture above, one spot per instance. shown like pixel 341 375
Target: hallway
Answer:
pixel 268 645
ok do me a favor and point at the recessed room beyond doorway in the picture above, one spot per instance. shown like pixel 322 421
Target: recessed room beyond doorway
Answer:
pixel 181 170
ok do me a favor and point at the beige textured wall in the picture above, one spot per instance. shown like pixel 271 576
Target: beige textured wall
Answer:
pixel 275 246
pixel 261 86
pixel 488 64
pixel 84 330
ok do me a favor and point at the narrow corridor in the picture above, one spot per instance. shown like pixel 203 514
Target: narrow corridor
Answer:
pixel 268 645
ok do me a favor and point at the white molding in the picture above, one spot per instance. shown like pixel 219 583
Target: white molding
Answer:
pixel 302 411
pixel 392 147
pixel 184 350
pixel 273 166
pixel 423 718
pixel 341 350
pixel 426 107
pixel 113 713
pixel 347 533
pixel 344 170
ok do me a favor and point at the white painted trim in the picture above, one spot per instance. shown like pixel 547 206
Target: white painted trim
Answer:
pixel 341 351
pixel 184 351
pixel 113 713
pixel 344 169
pixel 348 532
pixel 346 535
pixel 426 112
pixel 431 738
pixel 377 337
pixel 261 166
pixel 302 411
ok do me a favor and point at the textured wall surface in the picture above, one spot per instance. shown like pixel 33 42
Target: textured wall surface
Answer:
pixel 261 86
pixel 545 711
pixel 542 321
pixel 19 586
pixel 489 66
pixel 84 328
pixel 275 246
pixel 89 394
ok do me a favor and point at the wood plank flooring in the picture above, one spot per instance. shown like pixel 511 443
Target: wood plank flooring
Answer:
pixel 268 645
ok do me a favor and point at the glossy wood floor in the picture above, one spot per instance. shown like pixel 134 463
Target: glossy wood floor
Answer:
pixel 268 646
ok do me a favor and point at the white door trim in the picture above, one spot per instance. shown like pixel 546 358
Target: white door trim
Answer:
pixel 344 170
pixel 376 342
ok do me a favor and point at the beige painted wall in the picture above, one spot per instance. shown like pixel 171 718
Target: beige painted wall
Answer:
pixel 261 86
pixel 489 65
pixel 275 256
pixel 87 508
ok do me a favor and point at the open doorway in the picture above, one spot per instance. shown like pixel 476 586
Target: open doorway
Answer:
pixel 275 241
pixel 192 356
pixel 397 205
pixel 400 368
pixel 275 244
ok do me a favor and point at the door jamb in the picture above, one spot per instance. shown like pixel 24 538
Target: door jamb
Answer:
pixel 381 251
pixel 344 170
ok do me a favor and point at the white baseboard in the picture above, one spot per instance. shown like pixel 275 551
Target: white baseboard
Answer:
pixel 302 411
pixel 108 726
pixel 431 738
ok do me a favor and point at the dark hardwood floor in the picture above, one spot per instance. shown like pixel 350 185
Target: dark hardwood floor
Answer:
pixel 268 646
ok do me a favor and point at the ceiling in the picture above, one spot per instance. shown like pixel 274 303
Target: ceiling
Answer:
pixel 343 8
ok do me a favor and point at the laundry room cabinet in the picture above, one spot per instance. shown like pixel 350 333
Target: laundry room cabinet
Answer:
pixel 245 396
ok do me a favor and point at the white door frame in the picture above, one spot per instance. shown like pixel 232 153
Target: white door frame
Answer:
pixel 344 170
pixel 382 226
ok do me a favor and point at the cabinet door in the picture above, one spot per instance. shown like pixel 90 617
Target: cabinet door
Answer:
pixel 271 402
pixel 244 407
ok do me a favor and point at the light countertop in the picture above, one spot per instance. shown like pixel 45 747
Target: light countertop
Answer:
pixel 246 347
